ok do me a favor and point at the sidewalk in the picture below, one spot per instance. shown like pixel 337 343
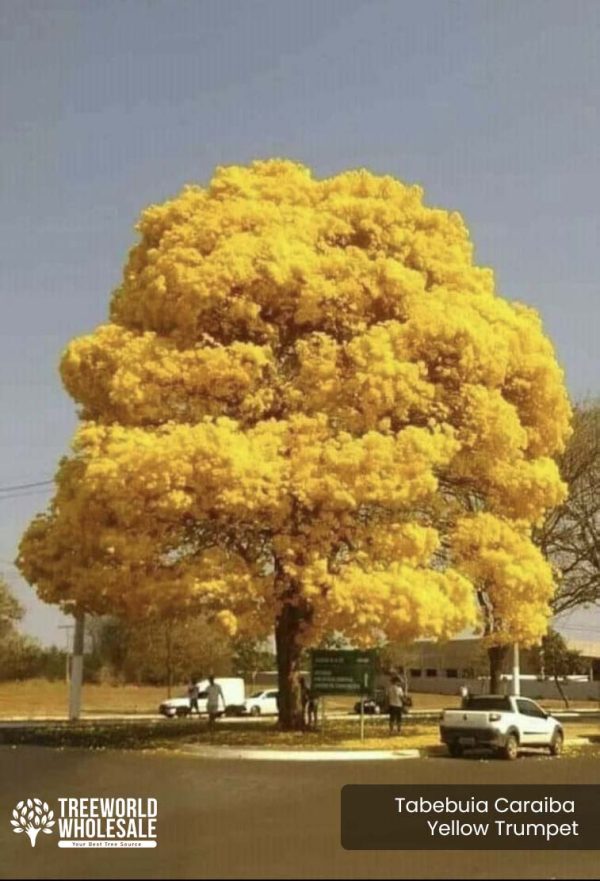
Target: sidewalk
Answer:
pixel 296 755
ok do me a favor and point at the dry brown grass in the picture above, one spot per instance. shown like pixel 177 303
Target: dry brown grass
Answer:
pixel 35 698
pixel 39 698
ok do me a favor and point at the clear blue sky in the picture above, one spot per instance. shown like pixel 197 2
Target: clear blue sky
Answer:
pixel 106 106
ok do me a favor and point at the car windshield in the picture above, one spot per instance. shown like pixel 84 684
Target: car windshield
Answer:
pixel 258 694
pixel 488 703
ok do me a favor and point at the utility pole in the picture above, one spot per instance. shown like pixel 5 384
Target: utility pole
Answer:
pixel 67 628
pixel 516 673
pixel 76 668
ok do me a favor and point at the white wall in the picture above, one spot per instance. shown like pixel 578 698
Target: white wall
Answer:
pixel 529 687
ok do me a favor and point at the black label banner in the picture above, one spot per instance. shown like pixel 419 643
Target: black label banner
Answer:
pixel 440 817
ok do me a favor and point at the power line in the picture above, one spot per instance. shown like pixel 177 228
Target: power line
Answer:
pixel 19 486
pixel 24 495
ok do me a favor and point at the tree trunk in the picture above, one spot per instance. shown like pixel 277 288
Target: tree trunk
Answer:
pixel 32 833
pixel 497 655
pixel 287 641
pixel 561 691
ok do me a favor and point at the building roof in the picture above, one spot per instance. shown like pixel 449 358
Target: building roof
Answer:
pixel 586 647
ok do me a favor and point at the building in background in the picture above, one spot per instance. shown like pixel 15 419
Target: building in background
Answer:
pixel 442 667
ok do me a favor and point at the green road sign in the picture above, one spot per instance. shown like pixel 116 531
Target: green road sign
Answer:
pixel 342 672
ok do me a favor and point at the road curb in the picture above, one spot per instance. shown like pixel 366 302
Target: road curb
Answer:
pixel 297 755
pixel 264 754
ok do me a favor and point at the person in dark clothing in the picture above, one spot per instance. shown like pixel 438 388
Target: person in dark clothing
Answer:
pixel 304 700
pixel 309 705
pixel 395 697
pixel 193 692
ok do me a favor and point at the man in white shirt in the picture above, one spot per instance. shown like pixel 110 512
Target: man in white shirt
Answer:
pixel 214 694
pixel 395 696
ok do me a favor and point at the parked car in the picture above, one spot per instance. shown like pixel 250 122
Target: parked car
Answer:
pixel 263 703
pixel 502 723
pixel 233 692
pixel 378 703
pixel 371 706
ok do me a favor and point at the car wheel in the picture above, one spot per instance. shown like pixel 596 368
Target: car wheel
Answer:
pixel 511 748
pixel 455 750
pixel 255 711
pixel 170 714
pixel 557 742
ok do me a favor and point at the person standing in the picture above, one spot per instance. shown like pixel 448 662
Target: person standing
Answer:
pixel 214 695
pixel 313 709
pixel 193 692
pixel 464 695
pixel 395 696
pixel 304 700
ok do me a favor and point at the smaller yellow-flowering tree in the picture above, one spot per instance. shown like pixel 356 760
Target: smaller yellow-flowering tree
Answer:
pixel 309 410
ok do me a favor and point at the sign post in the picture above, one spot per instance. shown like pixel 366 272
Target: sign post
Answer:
pixel 76 668
pixel 362 719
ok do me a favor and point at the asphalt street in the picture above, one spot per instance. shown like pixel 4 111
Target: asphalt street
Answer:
pixel 242 819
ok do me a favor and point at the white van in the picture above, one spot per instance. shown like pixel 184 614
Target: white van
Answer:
pixel 233 692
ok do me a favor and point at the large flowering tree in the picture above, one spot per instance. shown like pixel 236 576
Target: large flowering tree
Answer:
pixel 308 410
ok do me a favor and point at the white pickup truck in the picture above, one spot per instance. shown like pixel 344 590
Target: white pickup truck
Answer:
pixel 500 722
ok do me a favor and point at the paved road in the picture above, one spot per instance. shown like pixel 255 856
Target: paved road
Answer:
pixel 229 819
pixel 427 715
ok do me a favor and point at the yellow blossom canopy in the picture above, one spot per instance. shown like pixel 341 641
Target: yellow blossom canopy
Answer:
pixel 307 395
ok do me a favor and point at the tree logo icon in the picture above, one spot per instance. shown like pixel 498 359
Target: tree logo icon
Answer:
pixel 32 816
